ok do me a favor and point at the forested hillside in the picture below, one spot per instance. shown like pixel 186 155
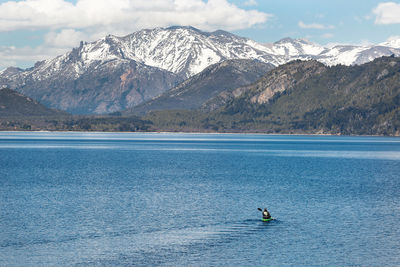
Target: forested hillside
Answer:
pixel 305 97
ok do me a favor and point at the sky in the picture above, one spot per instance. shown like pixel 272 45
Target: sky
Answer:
pixel 34 30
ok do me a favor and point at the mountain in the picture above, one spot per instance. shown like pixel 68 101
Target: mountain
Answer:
pixel 361 99
pixel 187 50
pixel 21 113
pixel 117 73
pixel 278 80
pixel 100 88
pixel 14 104
pixel 289 49
pixel 392 42
pixel 215 79
pixel 305 97
pixel 354 55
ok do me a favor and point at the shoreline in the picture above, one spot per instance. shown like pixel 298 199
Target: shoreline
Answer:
pixel 198 133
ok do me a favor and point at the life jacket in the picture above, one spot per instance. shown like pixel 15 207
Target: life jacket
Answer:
pixel 266 214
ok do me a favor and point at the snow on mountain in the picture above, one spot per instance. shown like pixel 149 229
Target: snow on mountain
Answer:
pixel 187 51
pixel 181 50
pixel 393 42
pixel 168 55
pixel 290 48
pixel 352 55
pixel 345 55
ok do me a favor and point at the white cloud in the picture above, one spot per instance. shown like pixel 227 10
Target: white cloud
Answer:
pixel 125 16
pixel 65 38
pixel 317 26
pixel 387 13
pixel 24 56
pixel 393 38
pixel 55 43
pixel 88 20
pixel 392 41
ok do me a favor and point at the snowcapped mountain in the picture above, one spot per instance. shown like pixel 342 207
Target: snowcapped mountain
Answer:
pixel 292 49
pixel 77 83
pixel 181 50
pixel 355 55
pixel 116 73
pixel 393 42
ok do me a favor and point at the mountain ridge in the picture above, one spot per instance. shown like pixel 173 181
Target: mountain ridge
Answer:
pixel 305 97
pixel 14 104
pixel 198 89
pixel 287 47
pixel 92 78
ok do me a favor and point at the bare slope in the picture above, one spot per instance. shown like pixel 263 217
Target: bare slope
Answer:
pixel 215 79
pixel 305 97
pixel 14 104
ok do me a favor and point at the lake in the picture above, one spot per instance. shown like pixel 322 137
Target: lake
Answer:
pixel 145 199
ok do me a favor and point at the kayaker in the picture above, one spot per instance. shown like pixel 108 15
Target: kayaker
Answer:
pixel 265 213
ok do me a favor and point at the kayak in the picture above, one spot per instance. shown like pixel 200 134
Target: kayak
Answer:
pixel 267 220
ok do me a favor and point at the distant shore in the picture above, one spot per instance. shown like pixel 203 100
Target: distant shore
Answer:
pixel 193 133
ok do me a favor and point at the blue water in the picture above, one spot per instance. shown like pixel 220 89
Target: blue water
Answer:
pixel 113 199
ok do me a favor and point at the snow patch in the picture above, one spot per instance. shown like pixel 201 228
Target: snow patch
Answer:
pixel 188 51
pixel 393 42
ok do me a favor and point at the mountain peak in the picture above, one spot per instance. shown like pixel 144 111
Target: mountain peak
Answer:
pixel 192 49
pixel 183 27
pixel 285 40
pixel 294 41
pixel 11 71
pixel 222 32
pixel 393 42
pixel 171 54
pixel 304 41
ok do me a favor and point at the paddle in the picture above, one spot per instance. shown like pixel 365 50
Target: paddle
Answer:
pixel 259 209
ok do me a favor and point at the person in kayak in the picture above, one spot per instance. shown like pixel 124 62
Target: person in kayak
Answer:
pixel 265 213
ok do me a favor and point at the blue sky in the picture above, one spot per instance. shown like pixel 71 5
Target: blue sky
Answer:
pixel 351 21
pixel 32 30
